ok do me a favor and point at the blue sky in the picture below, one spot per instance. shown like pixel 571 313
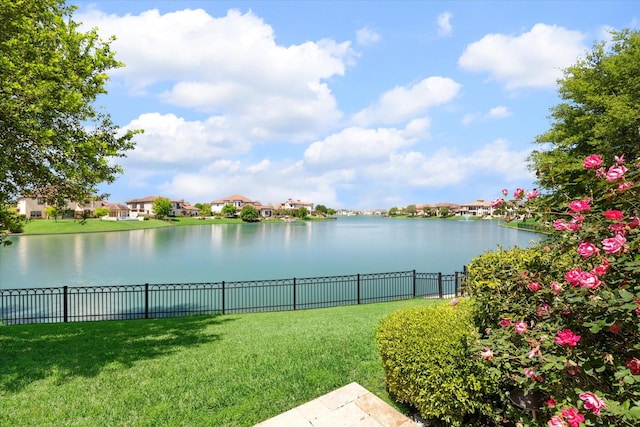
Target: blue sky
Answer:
pixel 349 104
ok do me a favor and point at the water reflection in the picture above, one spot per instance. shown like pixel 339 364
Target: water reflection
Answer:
pixel 230 252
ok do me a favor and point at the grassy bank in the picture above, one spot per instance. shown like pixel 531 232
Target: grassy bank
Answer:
pixel 232 370
pixel 60 226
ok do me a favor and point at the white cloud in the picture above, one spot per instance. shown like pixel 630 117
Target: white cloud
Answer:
pixel 405 103
pixel 499 112
pixel 444 24
pixel 532 59
pixel 229 65
pixel 170 141
pixel 366 36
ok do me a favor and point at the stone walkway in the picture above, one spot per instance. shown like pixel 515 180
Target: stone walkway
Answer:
pixel 349 406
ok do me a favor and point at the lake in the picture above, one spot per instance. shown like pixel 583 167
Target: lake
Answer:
pixel 233 252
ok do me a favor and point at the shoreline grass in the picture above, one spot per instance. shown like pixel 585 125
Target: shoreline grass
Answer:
pixel 231 370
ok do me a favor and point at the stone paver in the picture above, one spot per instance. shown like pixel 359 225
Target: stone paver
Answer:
pixel 349 406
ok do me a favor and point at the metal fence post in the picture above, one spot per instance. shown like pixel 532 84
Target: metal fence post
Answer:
pixel 358 288
pixel 146 300
pixel 65 304
pixel 223 297
pixel 440 292
pixel 294 293
pixel 455 285
pixel 415 290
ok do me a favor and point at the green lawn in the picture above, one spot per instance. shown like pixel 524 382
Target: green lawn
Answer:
pixel 50 226
pixel 232 370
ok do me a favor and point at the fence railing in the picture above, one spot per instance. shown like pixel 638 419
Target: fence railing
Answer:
pixel 77 304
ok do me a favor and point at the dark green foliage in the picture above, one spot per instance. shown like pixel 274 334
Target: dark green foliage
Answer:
pixel 249 214
pixel 428 363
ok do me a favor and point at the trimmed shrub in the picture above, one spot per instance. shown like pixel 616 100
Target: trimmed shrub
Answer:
pixel 426 358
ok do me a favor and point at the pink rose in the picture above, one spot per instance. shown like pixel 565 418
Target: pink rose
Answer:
pixel 551 402
pixel 454 302
pixel 592 402
pixel 533 194
pixel 505 322
pixel 600 270
pixel 496 203
pixel 615 244
pixel 594 161
pixel 618 228
pixel 505 191
pixel 556 287
pixel 533 286
pixel 634 366
pixel 487 354
pixel 574 418
pixel 573 276
pixel 543 311
pixel 518 193
pixel 579 206
pixel 615 173
pixel 586 249
pixel 634 222
pixel 521 327
pixel 557 421
pixel 567 337
pixel 614 328
pixel 638 309
pixel 589 280
pixel 624 186
pixel 614 214
pixel 534 352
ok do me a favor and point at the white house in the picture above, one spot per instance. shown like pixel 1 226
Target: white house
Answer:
pixel 238 201
pixel 296 204
pixel 144 206
pixel 36 207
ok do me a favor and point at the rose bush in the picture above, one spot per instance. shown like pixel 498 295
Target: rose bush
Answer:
pixel 566 324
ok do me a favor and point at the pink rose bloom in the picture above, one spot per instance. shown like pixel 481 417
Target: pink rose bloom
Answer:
pixel 579 206
pixel 614 214
pixel 594 161
pixel 521 327
pixel 505 191
pixel 454 302
pixel 560 224
pixel 518 193
pixel 615 244
pixel 574 418
pixel 589 280
pixel 586 249
pixel 557 421
pixel 624 186
pixel 534 352
pixel 533 194
pixel 634 366
pixel 638 309
pixel 619 160
pixel 505 322
pixel 618 228
pixel 567 337
pixel 497 203
pixel 600 270
pixel 487 354
pixel 634 222
pixel 573 276
pixel 615 173
pixel 556 287
pixel 533 286
pixel 615 328
pixel 543 311
pixel 551 402
pixel 592 402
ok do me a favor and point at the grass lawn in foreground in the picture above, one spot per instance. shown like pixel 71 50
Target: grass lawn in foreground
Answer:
pixel 231 370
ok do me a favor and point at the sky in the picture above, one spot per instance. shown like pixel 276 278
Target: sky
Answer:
pixel 349 104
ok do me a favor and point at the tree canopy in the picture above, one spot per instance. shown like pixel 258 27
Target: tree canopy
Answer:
pixel 599 113
pixel 229 210
pixel 162 207
pixel 249 214
pixel 54 142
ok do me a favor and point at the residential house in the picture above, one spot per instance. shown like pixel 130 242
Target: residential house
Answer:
pixel 477 208
pixel 297 204
pixel 144 206
pixel 238 201
pixel 32 206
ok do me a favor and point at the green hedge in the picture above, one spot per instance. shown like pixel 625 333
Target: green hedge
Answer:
pixel 428 365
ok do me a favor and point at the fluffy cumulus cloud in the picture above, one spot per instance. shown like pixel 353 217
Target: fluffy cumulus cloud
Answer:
pixel 533 59
pixel 444 24
pixel 404 103
pixel 230 66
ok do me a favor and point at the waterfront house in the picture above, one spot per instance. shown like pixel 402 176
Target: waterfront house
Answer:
pixel 144 206
pixel 296 204
pixel 238 201
pixel 477 208
pixel 34 206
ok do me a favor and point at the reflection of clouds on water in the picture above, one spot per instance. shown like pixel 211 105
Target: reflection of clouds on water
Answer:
pixel 212 253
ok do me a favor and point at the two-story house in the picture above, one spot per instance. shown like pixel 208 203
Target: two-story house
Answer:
pixel 238 201
pixel 144 206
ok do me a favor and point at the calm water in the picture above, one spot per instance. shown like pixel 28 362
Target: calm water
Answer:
pixel 211 253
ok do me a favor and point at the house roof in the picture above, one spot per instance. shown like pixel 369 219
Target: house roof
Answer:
pixel 234 198
pixel 150 199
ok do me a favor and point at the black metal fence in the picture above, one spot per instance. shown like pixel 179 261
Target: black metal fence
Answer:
pixel 77 304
